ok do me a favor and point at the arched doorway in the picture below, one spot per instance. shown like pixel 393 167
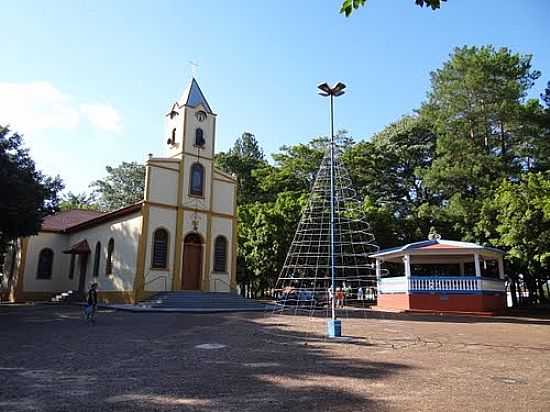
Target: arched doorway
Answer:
pixel 192 262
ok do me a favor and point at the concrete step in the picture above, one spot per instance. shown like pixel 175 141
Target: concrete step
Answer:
pixel 200 301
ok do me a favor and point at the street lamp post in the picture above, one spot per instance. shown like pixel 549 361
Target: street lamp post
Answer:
pixel 334 325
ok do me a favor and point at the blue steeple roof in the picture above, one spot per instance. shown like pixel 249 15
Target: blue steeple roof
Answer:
pixel 192 96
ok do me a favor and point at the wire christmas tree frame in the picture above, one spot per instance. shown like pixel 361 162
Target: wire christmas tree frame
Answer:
pixel 305 279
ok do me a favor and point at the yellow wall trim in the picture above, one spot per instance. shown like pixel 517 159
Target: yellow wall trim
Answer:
pixel 139 279
pixel 190 209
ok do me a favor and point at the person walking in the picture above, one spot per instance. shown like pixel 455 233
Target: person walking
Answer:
pixel 91 303
pixel 360 294
pixel 339 297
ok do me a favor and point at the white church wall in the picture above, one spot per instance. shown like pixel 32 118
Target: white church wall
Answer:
pixel 157 280
pixel 163 183
pixel 59 280
pixel 223 199
pixel 125 232
pixel 203 202
pixel 220 282
pixel 175 122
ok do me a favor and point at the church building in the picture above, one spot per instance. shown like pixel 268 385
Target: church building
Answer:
pixel 181 236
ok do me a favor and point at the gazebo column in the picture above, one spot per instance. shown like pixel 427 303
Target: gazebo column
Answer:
pixel 378 269
pixel 478 266
pixel 407 263
pixel 500 267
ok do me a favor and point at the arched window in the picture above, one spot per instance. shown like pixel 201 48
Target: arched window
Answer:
pixel 197 179
pixel 174 136
pixel 220 254
pixel 199 137
pixel 97 258
pixel 45 264
pixel 160 249
pixel 109 261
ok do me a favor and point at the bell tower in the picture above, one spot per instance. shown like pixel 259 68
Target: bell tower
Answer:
pixel 190 125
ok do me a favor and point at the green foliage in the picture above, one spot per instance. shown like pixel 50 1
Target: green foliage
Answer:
pixel 26 195
pixel 349 6
pixel 387 171
pixel 471 164
pixel 517 218
pixel 265 233
pixel 244 157
pixel 123 186
pixel 78 201
pixel 486 130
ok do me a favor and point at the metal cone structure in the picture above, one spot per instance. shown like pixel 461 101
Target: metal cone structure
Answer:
pixel 305 281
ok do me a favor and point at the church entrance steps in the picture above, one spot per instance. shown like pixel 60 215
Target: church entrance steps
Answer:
pixel 195 302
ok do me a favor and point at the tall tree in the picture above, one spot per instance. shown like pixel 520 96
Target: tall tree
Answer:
pixel 78 201
pixel 517 218
pixel 242 159
pixel 475 105
pixel 123 186
pixel 26 194
pixel 388 173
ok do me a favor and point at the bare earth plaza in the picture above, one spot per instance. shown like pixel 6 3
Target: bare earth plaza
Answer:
pixel 154 361
pixel 275 206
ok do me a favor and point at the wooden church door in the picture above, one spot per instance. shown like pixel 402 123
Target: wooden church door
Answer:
pixel 192 262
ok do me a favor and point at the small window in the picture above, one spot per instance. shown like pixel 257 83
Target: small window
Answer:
pixel 197 179
pixel 45 264
pixel 174 136
pixel 97 258
pixel 160 249
pixel 220 254
pixel 71 267
pixel 199 137
pixel 109 261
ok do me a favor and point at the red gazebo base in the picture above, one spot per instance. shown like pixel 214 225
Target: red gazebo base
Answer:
pixel 476 303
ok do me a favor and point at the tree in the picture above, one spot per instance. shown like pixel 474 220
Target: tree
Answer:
pixel 349 6
pixel 477 108
pixel 388 173
pixel 78 201
pixel 245 156
pixel 26 194
pixel 517 217
pixel 265 233
pixel 123 186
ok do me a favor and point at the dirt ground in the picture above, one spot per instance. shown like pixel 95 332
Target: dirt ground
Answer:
pixel 51 360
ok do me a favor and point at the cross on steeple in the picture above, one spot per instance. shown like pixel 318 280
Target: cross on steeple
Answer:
pixel 194 67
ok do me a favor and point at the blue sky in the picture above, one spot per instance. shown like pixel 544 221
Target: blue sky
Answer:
pixel 89 82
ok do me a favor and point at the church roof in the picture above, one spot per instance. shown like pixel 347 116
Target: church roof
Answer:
pixel 63 220
pixel 77 219
pixel 193 97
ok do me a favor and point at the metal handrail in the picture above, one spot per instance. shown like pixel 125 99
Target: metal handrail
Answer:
pixel 220 280
pixel 163 277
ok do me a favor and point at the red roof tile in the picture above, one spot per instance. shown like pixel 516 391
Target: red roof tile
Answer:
pixel 63 220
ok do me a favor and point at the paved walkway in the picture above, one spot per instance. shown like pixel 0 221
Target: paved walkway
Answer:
pixel 51 360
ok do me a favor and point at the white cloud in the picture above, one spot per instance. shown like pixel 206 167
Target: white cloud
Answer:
pixel 35 106
pixel 102 116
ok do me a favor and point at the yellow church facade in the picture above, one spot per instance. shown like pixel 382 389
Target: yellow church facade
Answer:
pixel 181 236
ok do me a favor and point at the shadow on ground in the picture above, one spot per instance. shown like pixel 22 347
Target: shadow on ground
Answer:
pixel 53 361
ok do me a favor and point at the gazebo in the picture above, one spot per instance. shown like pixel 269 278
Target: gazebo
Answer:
pixel 441 275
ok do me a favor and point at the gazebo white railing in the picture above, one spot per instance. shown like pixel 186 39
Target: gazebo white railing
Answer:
pixel 440 284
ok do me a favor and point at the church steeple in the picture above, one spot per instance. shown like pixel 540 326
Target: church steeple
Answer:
pixel 190 124
pixel 193 97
